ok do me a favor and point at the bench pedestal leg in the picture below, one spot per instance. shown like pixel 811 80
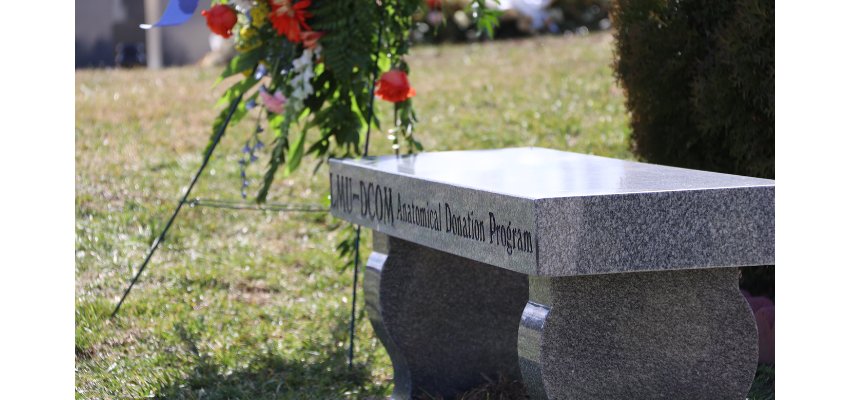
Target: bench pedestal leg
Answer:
pixel 674 335
pixel 445 321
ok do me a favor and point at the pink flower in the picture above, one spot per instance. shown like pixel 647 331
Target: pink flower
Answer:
pixel 274 103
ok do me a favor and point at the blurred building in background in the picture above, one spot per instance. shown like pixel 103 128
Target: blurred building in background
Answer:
pixel 108 35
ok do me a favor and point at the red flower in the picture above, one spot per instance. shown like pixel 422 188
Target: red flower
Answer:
pixel 394 87
pixel 311 38
pixel 289 19
pixel 220 19
pixel 434 4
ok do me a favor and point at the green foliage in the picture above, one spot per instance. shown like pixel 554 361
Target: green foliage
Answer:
pixel 241 62
pixel 699 77
pixel 741 68
pixel 277 157
pixel 486 19
pixel 348 46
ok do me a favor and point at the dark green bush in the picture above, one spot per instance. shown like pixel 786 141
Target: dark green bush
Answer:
pixel 699 80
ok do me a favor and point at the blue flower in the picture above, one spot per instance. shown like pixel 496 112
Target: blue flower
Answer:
pixel 261 71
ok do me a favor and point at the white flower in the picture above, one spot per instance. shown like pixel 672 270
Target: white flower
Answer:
pixel 302 78
pixel 308 74
pixel 306 60
pixel 243 5
pixel 300 82
pixel 298 94
pixel 302 91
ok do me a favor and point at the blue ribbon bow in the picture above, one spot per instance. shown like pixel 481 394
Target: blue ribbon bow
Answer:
pixel 176 12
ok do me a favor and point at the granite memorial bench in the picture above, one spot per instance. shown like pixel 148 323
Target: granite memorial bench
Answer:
pixel 585 277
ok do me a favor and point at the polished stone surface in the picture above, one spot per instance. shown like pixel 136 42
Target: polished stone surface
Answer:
pixel 538 173
pixel 553 213
pixel 446 321
pixel 649 335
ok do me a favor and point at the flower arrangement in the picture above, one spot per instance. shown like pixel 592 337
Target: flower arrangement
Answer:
pixel 309 66
pixel 314 66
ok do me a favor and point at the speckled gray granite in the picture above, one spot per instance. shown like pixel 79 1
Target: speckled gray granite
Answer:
pixel 553 213
pixel 446 321
pixel 648 335
pixel 628 265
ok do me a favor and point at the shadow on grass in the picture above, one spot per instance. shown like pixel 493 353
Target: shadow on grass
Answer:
pixel 273 377
pixel 505 389
pixel 320 372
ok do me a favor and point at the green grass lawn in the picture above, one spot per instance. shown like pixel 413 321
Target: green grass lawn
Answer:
pixel 251 304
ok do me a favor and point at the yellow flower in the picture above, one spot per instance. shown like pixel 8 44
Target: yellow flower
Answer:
pixel 247 32
pixel 259 14
pixel 249 39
